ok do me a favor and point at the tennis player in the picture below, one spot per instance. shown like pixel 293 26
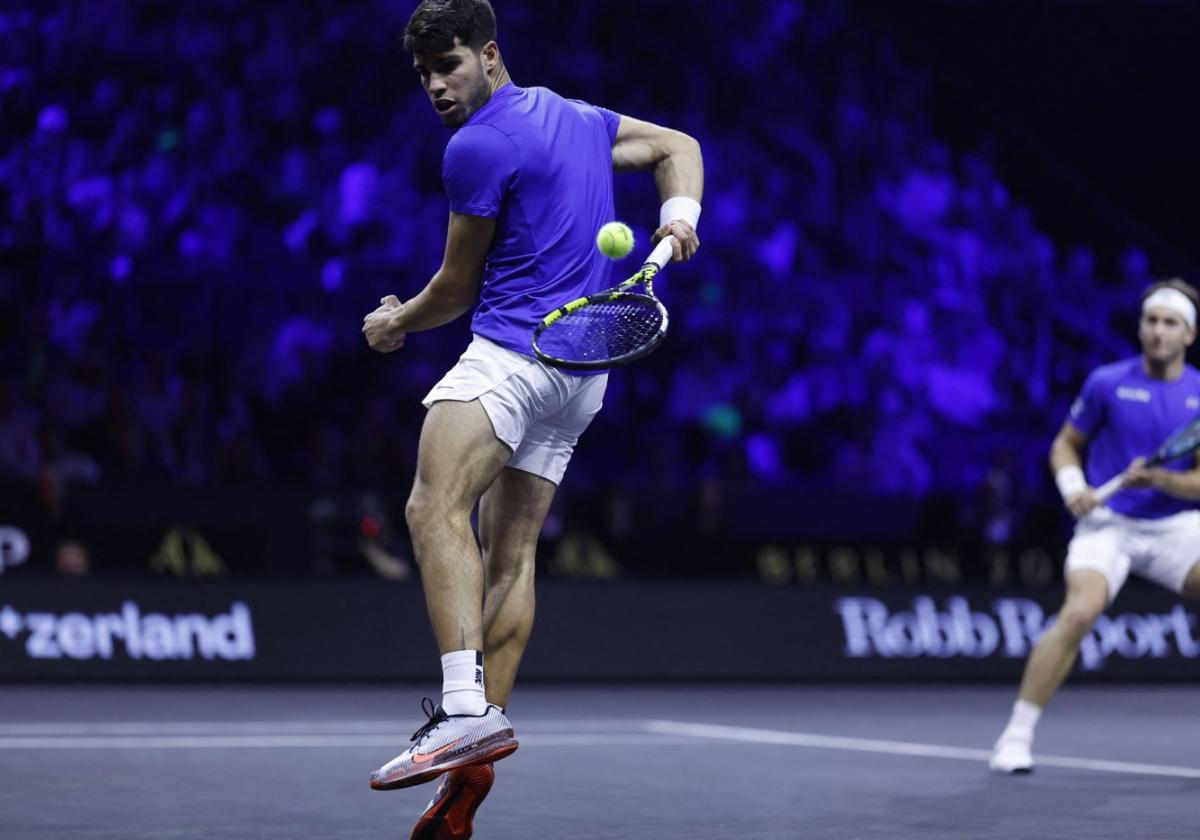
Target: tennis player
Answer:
pixel 1151 527
pixel 529 178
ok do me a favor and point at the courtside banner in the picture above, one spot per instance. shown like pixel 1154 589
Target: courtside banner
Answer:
pixel 348 629
pixel 156 628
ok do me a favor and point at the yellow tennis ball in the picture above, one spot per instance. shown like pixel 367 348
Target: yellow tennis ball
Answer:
pixel 615 240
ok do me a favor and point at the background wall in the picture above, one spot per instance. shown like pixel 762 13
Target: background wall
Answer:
pixel 924 224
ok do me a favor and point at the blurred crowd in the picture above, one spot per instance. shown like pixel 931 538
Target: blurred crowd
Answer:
pixel 199 202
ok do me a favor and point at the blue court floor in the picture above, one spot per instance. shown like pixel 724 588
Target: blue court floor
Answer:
pixel 872 761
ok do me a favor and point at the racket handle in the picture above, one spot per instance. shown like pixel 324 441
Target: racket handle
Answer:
pixel 662 253
pixel 1109 488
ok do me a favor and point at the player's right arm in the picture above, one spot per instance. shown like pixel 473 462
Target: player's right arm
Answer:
pixel 678 169
pixel 1066 462
pixel 1182 484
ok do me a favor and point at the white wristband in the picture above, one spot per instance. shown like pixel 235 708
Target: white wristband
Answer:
pixel 1070 481
pixel 679 207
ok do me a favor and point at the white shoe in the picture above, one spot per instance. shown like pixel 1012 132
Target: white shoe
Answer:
pixel 1012 754
pixel 447 742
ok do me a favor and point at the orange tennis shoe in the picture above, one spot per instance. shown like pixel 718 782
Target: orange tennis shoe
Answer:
pixel 451 813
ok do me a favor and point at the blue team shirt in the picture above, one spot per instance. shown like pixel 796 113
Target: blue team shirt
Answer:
pixel 541 166
pixel 1124 414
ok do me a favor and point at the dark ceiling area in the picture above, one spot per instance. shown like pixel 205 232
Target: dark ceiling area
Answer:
pixel 1089 110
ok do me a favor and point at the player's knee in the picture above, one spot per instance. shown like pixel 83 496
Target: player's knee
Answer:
pixel 1077 619
pixel 508 565
pixel 421 511
pixel 412 510
pixel 1191 584
pixel 506 545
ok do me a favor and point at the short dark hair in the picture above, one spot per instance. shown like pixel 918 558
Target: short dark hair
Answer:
pixel 435 24
pixel 1177 283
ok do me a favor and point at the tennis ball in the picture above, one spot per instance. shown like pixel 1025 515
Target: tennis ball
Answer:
pixel 615 240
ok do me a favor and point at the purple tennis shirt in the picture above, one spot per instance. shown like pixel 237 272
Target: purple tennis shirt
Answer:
pixel 541 166
pixel 1124 414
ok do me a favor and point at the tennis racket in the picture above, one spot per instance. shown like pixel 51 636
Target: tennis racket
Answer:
pixel 1183 442
pixel 611 328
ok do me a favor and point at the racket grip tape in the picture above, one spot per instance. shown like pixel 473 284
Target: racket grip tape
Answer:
pixel 1109 488
pixel 662 253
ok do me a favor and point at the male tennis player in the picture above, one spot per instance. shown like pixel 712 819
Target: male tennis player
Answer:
pixel 1151 527
pixel 529 179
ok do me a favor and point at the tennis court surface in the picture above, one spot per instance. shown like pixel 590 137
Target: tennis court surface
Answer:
pixel 601 762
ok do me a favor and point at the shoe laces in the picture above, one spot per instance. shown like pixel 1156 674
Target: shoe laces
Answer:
pixel 436 716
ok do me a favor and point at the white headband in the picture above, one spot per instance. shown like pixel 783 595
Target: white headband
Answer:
pixel 1174 300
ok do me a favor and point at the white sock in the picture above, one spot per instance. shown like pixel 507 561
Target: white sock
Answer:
pixel 462 683
pixel 1024 718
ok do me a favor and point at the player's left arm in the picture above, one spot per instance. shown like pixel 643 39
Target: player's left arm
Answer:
pixel 451 291
pixel 678 167
pixel 1181 485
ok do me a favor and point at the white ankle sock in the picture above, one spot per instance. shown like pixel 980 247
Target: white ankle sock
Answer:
pixel 1024 718
pixel 462 683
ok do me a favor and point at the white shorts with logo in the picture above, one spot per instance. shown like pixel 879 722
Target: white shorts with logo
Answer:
pixel 1160 550
pixel 537 411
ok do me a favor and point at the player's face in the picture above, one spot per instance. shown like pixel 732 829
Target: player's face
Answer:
pixel 1165 336
pixel 455 82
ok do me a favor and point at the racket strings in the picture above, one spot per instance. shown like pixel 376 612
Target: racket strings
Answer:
pixel 603 330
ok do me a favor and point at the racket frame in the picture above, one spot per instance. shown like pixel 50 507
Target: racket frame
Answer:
pixel 644 276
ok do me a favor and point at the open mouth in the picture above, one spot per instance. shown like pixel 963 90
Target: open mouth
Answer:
pixel 444 106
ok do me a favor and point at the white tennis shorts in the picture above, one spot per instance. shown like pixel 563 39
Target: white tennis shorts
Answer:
pixel 1160 550
pixel 537 411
